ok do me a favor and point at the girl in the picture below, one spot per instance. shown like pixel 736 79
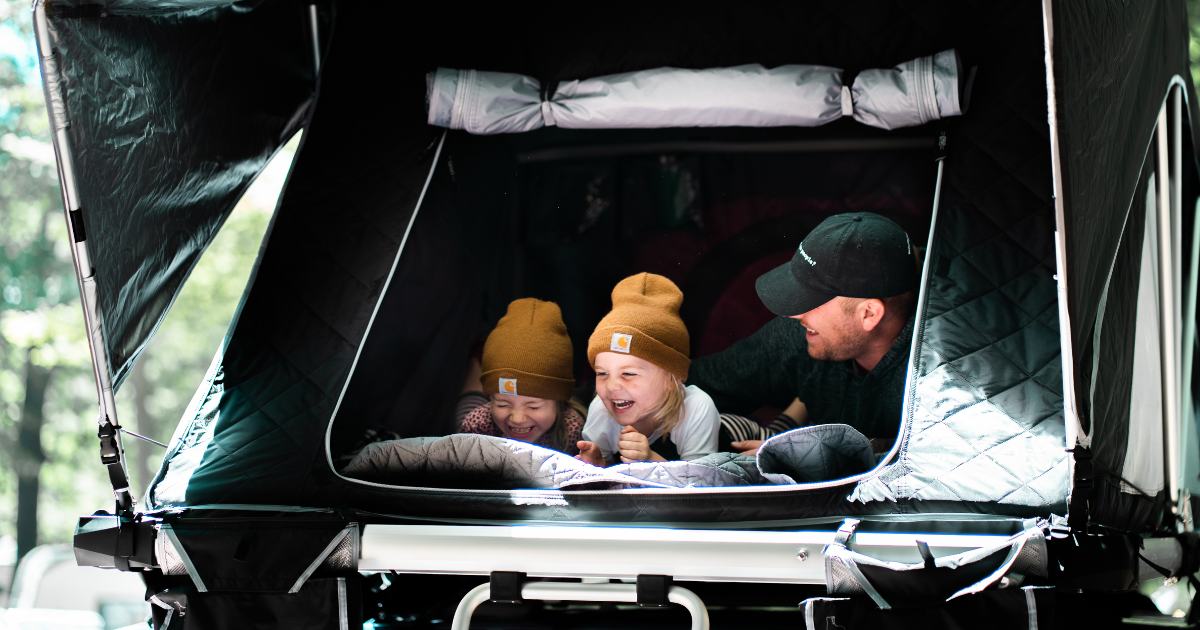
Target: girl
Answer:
pixel 527 380
pixel 642 411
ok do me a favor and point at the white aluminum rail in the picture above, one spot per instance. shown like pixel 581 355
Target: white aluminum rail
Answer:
pixel 571 592
pixel 794 557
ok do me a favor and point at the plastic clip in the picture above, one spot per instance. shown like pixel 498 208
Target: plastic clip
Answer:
pixel 652 590
pixel 506 587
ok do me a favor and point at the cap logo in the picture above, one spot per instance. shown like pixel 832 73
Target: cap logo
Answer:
pixel 807 258
pixel 508 386
pixel 620 342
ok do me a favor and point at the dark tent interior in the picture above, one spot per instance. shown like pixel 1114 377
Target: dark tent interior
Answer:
pixel 563 215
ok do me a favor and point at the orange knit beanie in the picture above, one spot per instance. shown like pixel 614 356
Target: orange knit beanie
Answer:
pixel 528 353
pixel 645 323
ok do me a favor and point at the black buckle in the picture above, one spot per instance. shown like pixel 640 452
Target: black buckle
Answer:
pixel 653 590
pixel 506 587
pixel 110 448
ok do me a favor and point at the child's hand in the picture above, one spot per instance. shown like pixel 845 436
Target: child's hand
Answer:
pixel 589 452
pixel 747 447
pixel 635 447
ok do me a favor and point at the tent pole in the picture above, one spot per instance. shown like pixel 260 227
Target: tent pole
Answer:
pixel 315 30
pixel 1166 291
pixel 910 384
pixel 1186 322
pixel 412 219
pixel 112 453
pixel 1074 435
pixel 1187 409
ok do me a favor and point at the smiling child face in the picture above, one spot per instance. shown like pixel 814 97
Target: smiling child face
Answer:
pixel 523 417
pixel 630 388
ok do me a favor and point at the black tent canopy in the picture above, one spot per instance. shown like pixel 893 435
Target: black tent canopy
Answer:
pixel 384 262
pixel 292 369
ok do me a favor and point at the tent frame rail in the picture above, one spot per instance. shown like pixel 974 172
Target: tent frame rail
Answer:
pixel 112 453
pixel 795 557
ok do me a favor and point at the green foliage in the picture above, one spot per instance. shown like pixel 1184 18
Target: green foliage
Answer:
pixel 40 318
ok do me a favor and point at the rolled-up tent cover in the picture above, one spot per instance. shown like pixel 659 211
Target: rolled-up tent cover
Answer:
pixel 912 93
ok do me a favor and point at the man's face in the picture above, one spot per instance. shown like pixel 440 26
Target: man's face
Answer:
pixel 835 331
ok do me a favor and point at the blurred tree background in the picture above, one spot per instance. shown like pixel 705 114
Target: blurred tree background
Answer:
pixel 51 471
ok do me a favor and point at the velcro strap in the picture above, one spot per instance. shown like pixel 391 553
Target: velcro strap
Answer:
pixel 846 532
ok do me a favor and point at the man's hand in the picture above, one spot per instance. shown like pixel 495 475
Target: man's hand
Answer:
pixel 590 453
pixel 746 447
pixel 634 447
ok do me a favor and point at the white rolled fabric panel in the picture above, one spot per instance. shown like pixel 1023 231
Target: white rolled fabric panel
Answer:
pixel 487 103
pixel 913 93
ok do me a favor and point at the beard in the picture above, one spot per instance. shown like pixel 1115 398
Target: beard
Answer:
pixel 839 344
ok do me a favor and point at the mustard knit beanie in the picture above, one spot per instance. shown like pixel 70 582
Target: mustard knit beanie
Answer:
pixel 528 353
pixel 645 323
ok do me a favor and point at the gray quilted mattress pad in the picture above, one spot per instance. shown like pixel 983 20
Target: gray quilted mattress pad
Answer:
pixel 805 455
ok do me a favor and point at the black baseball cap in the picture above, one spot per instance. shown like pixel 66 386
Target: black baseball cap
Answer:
pixel 855 254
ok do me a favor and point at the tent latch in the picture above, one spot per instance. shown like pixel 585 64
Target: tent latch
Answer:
pixel 506 587
pixel 653 590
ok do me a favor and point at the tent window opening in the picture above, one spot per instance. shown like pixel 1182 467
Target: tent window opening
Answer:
pixel 204 310
pixel 564 215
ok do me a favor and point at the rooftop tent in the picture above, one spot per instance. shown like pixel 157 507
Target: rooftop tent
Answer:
pixel 136 91
pixel 375 190
pixel 261 417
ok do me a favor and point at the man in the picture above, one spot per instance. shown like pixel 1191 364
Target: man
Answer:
pixel 842 339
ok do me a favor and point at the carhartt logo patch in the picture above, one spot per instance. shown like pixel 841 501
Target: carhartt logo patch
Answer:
pixel 620 342
pixel 807 258
pixel 508 386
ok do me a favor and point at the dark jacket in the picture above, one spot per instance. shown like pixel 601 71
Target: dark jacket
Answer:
pixel 772 366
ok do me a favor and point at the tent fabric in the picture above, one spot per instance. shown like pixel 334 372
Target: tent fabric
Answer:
pixel 143 93
pixel 913 93
pixel 892 584
pixel 1111 361
pixel 1025 607
pixel 1142 472
pixel 1114 63
pixel 986 420
pixel 809 454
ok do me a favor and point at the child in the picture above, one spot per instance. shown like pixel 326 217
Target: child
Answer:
pixel 744 435
pixel 527 379
pixel 642 411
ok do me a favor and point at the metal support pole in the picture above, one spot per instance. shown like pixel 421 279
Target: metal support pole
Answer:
pixel 112 453
pixel 1168 338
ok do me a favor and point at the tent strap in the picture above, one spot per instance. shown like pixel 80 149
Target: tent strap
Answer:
pixel 1082 486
